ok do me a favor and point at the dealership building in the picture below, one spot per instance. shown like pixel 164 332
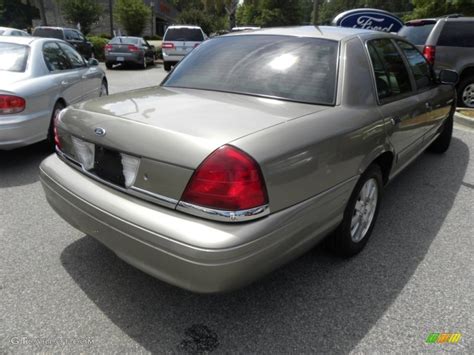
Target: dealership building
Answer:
pixel 163 15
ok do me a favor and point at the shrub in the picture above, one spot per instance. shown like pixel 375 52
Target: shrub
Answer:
pixel 99 44
pixel 197 18
pixel 85 12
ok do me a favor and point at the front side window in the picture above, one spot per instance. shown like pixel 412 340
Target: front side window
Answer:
pixel 13 57
pixel 419 66
pixel 75 58
pixel 394 80
pixel 284 67
pixel 55 58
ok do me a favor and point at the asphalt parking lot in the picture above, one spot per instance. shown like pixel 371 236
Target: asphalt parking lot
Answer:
pixel 62 291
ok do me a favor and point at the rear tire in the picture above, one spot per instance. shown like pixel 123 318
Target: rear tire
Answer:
pixel 57 109
pixel 466 92
pixel 167 66
pixel 108 65
pixel 441 144
pixel 104 89
pixel 360 214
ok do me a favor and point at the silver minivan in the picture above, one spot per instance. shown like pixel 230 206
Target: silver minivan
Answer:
pixel 179 41
pixel 447 43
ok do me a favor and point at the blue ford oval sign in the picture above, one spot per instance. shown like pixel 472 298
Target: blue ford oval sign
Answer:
pixel 369 19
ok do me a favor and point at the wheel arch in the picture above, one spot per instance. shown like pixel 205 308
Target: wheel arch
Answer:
pixel 384 158
pixel 466 72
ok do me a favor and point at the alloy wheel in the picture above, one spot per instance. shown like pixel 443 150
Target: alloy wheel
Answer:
pixel 364 210
pixel 468 95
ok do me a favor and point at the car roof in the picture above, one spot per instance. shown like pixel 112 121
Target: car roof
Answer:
pixel 184 26
pixel 26 40
pixel 327 32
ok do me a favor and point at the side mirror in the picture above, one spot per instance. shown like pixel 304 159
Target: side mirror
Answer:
pixel 93 62
pixel 449 77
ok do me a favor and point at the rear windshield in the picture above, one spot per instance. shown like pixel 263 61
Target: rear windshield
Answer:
pixel 416 34
pixel 183 34
pixel 291 68
pixel 48 33
pixel 124 40
pixel 13 57
pixel 457 34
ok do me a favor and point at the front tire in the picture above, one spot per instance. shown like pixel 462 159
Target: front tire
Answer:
pixel 57 109
pixel 104 89
pixel 360 214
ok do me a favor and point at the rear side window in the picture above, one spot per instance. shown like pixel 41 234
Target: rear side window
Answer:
pixel 55 58
pixel 457 34
pixel 48 33
pixel 2 32
pixel 417 34
pixel 393 80
pixel 13 57
pixel 72 35
pixel 124 40
pixel 419 66
pixel 184 34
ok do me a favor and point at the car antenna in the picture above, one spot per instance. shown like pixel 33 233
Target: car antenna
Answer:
pixel 317 27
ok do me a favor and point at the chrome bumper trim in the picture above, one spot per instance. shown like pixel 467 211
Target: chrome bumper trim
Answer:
pixel 224 216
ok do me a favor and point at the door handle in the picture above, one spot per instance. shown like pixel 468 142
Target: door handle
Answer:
pixel 428 106
pixel 64 82
pixel 84 76
pixel 395 120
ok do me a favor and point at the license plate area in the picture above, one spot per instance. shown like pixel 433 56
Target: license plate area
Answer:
pixel 120 59
pixel 108 166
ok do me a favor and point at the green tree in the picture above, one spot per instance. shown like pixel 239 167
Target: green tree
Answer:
pixel 197 18
pixel 17 15
pixel 84 12
pixel 267 13
pixel 434 8
pixel 133 15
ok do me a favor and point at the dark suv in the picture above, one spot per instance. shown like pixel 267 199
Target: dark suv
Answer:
pixel 447 43
pixel 71 35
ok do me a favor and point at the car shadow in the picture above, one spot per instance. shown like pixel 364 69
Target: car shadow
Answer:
pixel 20 166
pixel 316 303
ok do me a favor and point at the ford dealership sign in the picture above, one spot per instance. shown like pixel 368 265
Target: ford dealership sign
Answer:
pixel 369 19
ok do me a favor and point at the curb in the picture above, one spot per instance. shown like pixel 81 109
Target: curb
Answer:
pixel 464 120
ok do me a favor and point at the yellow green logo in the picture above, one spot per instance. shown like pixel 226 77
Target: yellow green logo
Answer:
pixel 441 338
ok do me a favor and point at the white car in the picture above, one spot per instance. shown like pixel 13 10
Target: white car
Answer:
pixel 179 41
pixel 7 31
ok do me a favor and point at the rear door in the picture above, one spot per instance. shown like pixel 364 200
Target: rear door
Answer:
pixel 397 101
pixel 184 40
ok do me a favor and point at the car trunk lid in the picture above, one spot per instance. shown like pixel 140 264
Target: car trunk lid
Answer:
pixel 171 130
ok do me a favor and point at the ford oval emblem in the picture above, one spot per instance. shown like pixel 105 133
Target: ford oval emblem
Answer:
pixel 99 131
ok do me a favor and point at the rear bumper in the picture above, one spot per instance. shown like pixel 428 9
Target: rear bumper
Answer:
pixel 186 251
pixel 126 58
pixel 21 130
pixel 172 58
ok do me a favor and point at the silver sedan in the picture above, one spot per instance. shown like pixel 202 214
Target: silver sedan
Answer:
pixel 40 77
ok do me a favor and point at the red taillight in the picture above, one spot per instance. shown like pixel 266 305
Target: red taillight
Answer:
pixel 228 179
pixel 108 47
pixel 133 48
pixel 429 52
pixel 167 45
pixel 11 104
